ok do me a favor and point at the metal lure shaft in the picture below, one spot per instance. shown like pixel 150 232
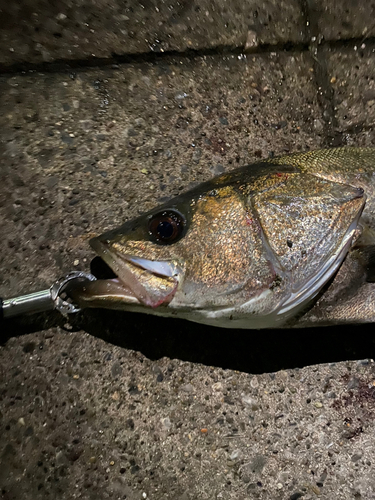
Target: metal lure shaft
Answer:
pixel 55 297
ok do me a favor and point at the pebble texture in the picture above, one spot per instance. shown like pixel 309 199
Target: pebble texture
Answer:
pixel 351 72
pixel 43 31
pixel 125 406
pixel 104 422
pixel 344 19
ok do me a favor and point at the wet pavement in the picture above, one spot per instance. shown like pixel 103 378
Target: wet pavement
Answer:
pixel 107 109
pixel 42 31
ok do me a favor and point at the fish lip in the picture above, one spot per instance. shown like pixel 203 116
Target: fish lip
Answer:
pixel 158 267
pixel 163 269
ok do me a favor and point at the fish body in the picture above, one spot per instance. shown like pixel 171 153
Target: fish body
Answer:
pixel 252 248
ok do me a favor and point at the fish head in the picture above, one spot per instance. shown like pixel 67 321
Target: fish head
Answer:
pixel 191 253
pixel 243 249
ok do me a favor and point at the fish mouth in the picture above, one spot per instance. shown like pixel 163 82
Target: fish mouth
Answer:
pixel 137 281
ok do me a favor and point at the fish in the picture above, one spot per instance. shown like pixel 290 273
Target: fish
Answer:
pixel 285 242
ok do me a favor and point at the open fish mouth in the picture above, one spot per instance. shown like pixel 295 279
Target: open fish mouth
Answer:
pixel 138 281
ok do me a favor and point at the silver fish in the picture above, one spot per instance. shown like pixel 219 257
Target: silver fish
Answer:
pixel 284 242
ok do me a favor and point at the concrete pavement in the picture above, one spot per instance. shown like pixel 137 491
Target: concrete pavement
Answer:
pixel 105 112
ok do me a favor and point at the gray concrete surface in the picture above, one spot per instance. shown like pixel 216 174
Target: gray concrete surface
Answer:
pixel 344 19
pixel 109 423
pixel 42 31
pixel 128 407
pixel 351 73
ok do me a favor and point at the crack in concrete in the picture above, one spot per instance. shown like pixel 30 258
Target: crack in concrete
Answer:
pixel 316 43
pixel 60 65
pixel 325 92
pixel 315 46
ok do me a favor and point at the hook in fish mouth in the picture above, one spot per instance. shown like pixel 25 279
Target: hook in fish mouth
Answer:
pixel 137 280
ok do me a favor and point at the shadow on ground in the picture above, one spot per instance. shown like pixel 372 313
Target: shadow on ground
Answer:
pixel 253 351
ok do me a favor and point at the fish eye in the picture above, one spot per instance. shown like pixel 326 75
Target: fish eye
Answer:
pixel 167 226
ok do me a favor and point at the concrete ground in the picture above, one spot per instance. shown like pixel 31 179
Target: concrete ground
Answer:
pixel 107 109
